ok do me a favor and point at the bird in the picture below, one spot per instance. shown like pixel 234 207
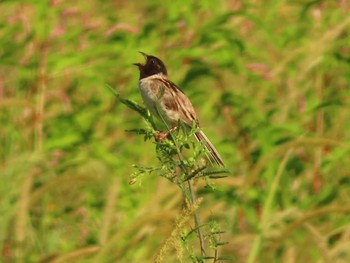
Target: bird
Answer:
pixel 168 102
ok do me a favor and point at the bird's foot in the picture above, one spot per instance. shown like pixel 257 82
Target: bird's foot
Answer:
pixel 162 135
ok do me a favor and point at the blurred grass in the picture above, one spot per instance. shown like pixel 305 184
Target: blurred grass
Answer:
pixel 266 77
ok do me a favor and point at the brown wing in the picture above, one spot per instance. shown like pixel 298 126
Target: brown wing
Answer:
pixel 175 100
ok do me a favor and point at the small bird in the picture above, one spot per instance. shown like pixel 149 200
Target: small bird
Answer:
pixel 168 102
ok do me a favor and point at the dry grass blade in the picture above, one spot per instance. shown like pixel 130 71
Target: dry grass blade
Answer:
pixel 109 211
pixel 22 216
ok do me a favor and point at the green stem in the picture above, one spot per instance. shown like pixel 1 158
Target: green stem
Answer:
pixel 197 220
pixel 189 196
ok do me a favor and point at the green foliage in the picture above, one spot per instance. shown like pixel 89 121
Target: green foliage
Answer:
pixel 270 82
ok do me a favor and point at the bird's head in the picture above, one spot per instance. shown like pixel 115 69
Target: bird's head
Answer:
pixel 152 66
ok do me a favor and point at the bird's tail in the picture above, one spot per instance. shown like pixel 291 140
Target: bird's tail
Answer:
pixel 200 136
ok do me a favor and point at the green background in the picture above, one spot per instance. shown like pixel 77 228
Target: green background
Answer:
pixel 270 83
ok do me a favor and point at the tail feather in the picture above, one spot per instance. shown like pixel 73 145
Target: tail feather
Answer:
pixel 201 137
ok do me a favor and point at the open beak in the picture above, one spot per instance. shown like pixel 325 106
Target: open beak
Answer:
pixel 139 65
pixel 144 54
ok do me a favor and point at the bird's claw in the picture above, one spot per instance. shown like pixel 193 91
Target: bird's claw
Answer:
pixel 162 135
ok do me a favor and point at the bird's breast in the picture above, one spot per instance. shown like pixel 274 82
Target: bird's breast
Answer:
pixel 149 93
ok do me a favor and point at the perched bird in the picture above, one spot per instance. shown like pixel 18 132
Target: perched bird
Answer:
pixel 168 102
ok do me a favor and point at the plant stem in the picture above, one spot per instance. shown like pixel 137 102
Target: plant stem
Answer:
pixel 196 219
pixel 41 97
pixel 191 197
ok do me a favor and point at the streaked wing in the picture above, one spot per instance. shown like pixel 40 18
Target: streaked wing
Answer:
pixel 176 101
pixel 175 106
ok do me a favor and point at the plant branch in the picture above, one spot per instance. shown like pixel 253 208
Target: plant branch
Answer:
pixel 191 198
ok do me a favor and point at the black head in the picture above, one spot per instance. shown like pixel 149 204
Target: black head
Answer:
pixel 152 66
